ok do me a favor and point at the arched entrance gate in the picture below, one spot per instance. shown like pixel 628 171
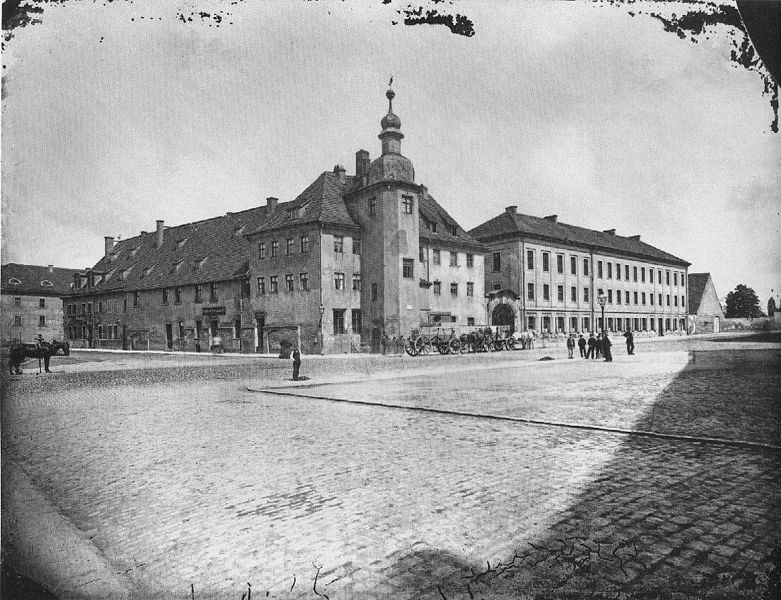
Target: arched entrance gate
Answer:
pixel 502 309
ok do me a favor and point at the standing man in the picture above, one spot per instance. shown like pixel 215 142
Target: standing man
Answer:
pixel 296 363
pixel 630 342
pixel 582 346
pixel 599 346
pixel 606 348
pixel 592 347
pixel 570 347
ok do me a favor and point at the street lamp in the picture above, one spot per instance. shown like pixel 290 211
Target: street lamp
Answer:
pixel 602 301
pixel 322 312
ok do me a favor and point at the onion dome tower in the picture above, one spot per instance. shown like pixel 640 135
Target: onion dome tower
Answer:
pixel 391 165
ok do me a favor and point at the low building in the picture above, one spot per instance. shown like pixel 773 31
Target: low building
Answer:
pixel 548 276
pixel 31 301
pixel 705 312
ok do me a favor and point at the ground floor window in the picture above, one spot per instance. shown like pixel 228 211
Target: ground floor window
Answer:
pixel 357 321
pixel 339 320
pixel 470 320
pixel 546 324
pixel 560 323
pixel 586 324
pixel 42 321
pixel 573 323
pixel 532 322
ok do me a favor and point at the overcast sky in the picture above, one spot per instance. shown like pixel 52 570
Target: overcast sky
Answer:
pixel 111 121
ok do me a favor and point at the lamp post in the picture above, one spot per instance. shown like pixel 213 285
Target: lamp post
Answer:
pixel 602 301
pixel 322 312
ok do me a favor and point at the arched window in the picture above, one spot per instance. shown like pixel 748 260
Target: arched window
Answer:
pixel 46 283
pixel 14 281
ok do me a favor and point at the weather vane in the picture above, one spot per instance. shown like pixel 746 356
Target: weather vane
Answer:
pixel 390 83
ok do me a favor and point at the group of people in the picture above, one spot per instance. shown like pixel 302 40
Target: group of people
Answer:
pixel 599 346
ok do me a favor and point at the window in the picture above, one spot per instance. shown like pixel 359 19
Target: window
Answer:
pixel 496 286
pixel 642 275
pixel 586 324
pixel 559 263
pixel 124 305
pixel 618 296
pixel 339 281
pixel 339 244
pixel 454 289
pixel 585 267
pixel 683 301
pixel 470 321
pixel 530 259
pixel 372 206
pixel 42 321
pixel 470 261
pixel 650 275
pixel 356 246
pixel 683 281
pixel 289 282
pixel 304 243
pixel 470 289
pixel 357 281
pixel 17 320
pixel 177 295
pixel 198 293
pixel 274 248
pixel 530 291
pixel 339 320
pixel 634 273
pixel 453 259
pixel 273 285
pixel 261 286
pixel 675 278
pixel 135 299
pixel 422 254
pixel 212 292
pixel 651 298
pixel 546 323
pixel 559 323
pixel 610 271
pixel 357 321
pixel 659 278
pixel 42 303
pixel 610 296
pixel 406 202
pixel 546 261
pixel 573 294
pixel 560 293
pixel 289 246
pixel 532 322
pixel 545 291
pixel 675 299
pixel 626 272
pixel 573 265
pixel 626 296
pixel 261 250
pixel 437 256
pixel 407 268
pixel 374 292
pixel 497 262
pixel 437 288
pixel 585 294
pixel 636 294
pixel 599 269
pixel 642 298
pixel 618 271
pixel 660 299
pixel 303 281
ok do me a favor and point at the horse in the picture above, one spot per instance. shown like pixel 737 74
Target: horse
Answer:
pixel 19 352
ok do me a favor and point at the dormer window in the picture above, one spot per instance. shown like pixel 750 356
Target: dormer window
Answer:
pixel 14 281
pixel 176 266
pixel 126 273
pixel 433 227
pixel 180 243
pixel 200 263
pixel 149 270
pixel 451 229
pixel 135 250
pixel 239 230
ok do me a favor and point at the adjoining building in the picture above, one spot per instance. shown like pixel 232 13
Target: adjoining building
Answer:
pixel 705 312
pixel 350 260
pixel 31 301
pixel 547 276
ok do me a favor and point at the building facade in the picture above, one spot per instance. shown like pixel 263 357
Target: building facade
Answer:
pixel 548 276
pixel 350 260
pixel 705 312
pixel 31 302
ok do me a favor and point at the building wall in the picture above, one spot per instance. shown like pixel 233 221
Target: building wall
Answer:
pixel 461 306
pixel 111 320
pixel 27 311
pixel 563 313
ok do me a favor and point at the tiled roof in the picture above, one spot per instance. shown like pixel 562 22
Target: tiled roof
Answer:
pixel 696 288
pixel 549 230
pixel 211 250
pixel 431 212
pixel 321 202
pixel 32 276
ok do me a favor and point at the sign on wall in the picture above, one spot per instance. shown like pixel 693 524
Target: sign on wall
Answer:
pixel 213 311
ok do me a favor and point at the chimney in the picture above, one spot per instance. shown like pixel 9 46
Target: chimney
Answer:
pixel 552 218
pixel 109 244
pixel 339 170
pixel 634 237
pixel 51 268
pixel 361 163
pixel 271 204
pixel 609 231
pixel 512 210
pixel 159 233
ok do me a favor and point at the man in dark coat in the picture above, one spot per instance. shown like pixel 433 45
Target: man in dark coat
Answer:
pixel 630 342
pixel 296 363
pixel 606 348
pixel 582 346
pixel 599 346
pixel 592 347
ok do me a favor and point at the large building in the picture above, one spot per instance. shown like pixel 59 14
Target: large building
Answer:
pixel 31 301
pixel 548 276
pixel 352 258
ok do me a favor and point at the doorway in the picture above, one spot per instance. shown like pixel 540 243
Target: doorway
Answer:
pixel 503 314
pixel 169 336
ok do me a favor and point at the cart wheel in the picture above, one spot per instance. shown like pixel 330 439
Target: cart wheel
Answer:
pixel 510 343
pixel 454 346
pixel 411 348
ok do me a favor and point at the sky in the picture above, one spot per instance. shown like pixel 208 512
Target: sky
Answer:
pixel 119 114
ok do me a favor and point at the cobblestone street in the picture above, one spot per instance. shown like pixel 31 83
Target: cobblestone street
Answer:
pixel 492 491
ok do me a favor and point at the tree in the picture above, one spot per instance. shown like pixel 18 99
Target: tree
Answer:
pixel 743 303
pixel 771 306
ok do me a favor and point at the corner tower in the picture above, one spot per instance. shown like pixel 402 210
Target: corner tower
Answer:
pixel 391 165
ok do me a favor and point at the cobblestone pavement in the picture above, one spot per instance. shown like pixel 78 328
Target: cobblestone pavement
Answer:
pixel 184 482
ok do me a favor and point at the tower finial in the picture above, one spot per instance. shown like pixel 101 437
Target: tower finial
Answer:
pixel 390 95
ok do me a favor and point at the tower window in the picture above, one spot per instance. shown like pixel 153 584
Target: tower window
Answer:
pixel 406 201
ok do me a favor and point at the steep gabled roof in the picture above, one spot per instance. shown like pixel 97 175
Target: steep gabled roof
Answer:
pixel 550 230
pixel 447 229
pixel 321 202
pixel 34 279
pixel 697 282
pixel 211 250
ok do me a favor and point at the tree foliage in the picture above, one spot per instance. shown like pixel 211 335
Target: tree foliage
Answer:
pixel 771 307
pixel 743 303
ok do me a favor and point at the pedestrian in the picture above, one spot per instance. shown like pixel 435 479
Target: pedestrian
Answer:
pixel 571 346
pixel 296 363
pixel 582 346
pixel 217 344
pixel 598 346
pixel 197 344
pixel 630 342
pixel 385 343
pixel 606 348
pixel 592 346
